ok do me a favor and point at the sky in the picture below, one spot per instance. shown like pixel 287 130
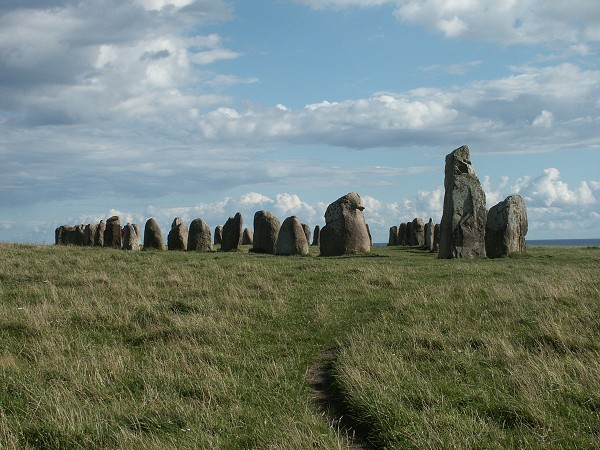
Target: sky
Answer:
pixel 205 108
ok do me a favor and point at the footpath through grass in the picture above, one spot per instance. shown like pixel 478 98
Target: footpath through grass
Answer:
pixel 108 349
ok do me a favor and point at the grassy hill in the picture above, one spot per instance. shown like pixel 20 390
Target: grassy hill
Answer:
pixel 104 348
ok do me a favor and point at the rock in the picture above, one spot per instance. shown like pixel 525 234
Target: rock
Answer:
pixel 178 236
pixel 138 233
pixel 429 229
pixel 410 236
pixel 506 227
pixel 370 237
pixel 266 230
pixel 393 239
pixel 436 237
pixel 218 235
pixel 316 236
pixel 232 233
pixel 112 233
pixel 291 239
pixel 247 237
pixel 79 235
pixel 99 234
pixel 402 234
pixel 153 238
pixel 462 231
pixel 345 230
pixel 199 237
pixel 63 234
pixel 131 240
pixel 307 232
pixel 418 232
pixel 90 232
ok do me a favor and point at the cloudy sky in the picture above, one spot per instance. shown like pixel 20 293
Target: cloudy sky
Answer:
pixel 203 108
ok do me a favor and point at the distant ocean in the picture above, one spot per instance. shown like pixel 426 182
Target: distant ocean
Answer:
pixel 564 242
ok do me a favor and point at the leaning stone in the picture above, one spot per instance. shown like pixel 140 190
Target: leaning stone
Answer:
pixel 266 230
pixel 99 234
pixel 131 240
pixel 393 238
pixel 199 237
pixel 153 238
pixel 345 230
pixel 232 233
pixel 291 239
pixel 178 236
pixel 462 232
pixel 316 236
pixel 506 228
pixel 112 233
pixel 247 237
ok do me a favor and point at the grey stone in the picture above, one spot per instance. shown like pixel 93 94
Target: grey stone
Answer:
pixel 436 237
pixel 178 235
pixel 429 230
pixel 418 232
pixel 307 232
pixel 218 235
pixel 393 239
pixel 99 234
pixel 153 238
pixel 79 235
pixel 462 231
pixel 112 233
pixel 402 234
pixel 345 230
pixel 199 237
pixel 232 233
pixel 131 240
pixel 247 237
pixel 316 236
pixel 410 235
pixel 266 230
pixel 291 239
pixel 90 232
pixel 506 227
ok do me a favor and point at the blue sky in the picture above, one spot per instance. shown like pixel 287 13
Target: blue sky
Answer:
pixel 203 108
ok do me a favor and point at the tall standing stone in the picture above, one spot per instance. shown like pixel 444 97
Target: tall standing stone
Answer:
pixel 232 233
pixel 436 238
pixel 131 240
pixel 393 239
pixel 345 230
pixel 506 227
pixel 307 232
pixel 199 237
pixel 462 231
pixel 429 230
pixel 153 238
pixel 316 236
pixel 410 235
pixel 90 232
pixel 99 234
pixel 291 239
pixel 418 232
pixel 218 234
pixel 247 237
pixel 266 230
pixel 402 234
pixel 112 233
pixel 178 236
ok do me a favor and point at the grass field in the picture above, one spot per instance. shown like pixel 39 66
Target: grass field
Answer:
pixel 104 348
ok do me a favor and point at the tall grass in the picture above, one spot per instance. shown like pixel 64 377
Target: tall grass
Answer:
pixel 103 348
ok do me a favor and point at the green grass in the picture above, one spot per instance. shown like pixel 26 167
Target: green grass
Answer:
pixel 103 348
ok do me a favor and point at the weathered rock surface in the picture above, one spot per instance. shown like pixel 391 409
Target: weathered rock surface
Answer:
pixel 393 239
pixel 506 227
pixel 153 238
pixel 218 234
pixel 429 230
pixel 291 239
pixel 266 230
pixel 307 232
pixel 247 237
pixel 63 235
pixel 436 237
pixel 410 235
pixel 90 231
pixel 131 240
pixel 99 234
pixel 462 231
pixel 402 234
pixel 112 233
pixel 178 236
pixel 316 236
pixel 418 232
pixel 232 233
pixel 199 237
pixel 345 230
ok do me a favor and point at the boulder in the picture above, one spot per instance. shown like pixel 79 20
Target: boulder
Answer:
pixel 316 236
pixel 345 230
pixel 418 232
pixel 247 237
pixel 429 229
pixel 112 233
pixel 393 239
pixel 199 237
pixel 131 240
pixel 506 227
pixel 232 233
pixel 177 238
pixel 291 239
pixel 462 231
pixel 266 230
pixel 153 238
pixel 99 234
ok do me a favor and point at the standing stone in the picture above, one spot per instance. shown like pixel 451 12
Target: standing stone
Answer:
pixel 402 234
pixel 112 233
pixel 506 228
pixel 418 232
pixel 79 235
pixel 199 237
pixel 410 235
pixel 90 232
pixel 291 239
pixel 178 236
pixel 99 234
pixel 62 234
pixel 436 237
pixel 131 241
pixel 266 230
pixel 247 237
pixel 429 229
pixel 307 232
pixel 153 238
pixel 316 235
pixel 232 233
pixel 136 227
pixel 393 239
pixel 462 232
pixel 345 230
pixel 218 235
